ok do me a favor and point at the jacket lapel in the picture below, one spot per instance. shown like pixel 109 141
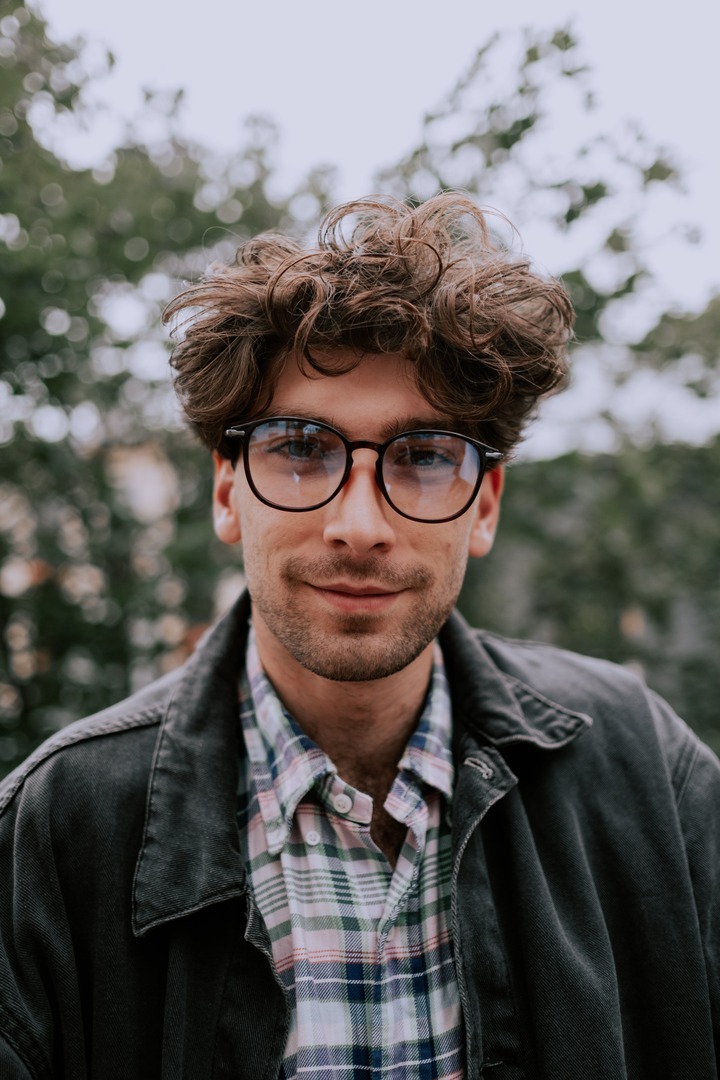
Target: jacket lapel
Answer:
pixel 190 854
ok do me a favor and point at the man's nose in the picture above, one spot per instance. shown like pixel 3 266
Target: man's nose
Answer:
pixel 359 515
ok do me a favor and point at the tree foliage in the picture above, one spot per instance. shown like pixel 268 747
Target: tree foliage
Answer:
pixel 108 567
pixel 523 133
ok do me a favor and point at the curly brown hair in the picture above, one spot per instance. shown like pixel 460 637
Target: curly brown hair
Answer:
pixel 487 334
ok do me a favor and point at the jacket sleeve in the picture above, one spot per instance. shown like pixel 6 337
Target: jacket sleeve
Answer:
pixel 37 970
pixel 695 773
pixel 698 777
pixel 11 1067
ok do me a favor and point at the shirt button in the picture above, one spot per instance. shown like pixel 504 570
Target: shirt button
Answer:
pixel 342 803
pixel 312 838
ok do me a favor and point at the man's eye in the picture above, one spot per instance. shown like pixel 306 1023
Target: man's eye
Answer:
pixel 297 449
pixel 425 457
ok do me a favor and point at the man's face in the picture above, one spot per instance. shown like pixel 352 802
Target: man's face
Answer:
pixel 351 591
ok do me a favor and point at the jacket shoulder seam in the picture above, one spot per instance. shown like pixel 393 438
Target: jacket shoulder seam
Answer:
pixel 75 733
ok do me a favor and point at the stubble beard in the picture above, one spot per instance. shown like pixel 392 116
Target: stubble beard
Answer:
pixel 360 647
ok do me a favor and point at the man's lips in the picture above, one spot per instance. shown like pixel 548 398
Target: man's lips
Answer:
pixel 356 598
pixel 355 590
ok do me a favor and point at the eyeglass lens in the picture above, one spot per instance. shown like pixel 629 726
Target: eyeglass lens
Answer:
pixel 298 465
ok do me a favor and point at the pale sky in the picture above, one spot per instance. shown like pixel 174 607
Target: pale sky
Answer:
pixel 348 85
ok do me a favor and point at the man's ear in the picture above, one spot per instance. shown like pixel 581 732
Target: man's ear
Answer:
pixel 226 516
pixel 487 512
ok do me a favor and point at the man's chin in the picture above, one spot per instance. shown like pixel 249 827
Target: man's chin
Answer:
pixel 356 654
pixel 350 647
pixel 354 671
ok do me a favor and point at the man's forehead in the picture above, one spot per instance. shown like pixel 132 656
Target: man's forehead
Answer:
pixel 359 390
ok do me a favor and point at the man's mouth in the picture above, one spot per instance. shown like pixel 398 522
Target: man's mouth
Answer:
pixel 350 598
pixel 370 577
pixel 356 590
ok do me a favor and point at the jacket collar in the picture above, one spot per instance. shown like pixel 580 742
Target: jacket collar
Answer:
pixel 493 703
pixel 190 856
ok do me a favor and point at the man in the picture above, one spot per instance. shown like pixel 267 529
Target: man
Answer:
pixel 352 837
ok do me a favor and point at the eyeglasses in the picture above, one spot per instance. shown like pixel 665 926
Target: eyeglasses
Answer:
pixel 296 464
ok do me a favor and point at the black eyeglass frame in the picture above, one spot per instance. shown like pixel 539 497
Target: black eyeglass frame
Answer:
pixel 243 432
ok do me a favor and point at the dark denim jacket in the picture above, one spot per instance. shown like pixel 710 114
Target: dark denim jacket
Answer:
pixel 585 887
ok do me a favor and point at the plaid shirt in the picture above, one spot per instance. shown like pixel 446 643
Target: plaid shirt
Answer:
pixel 362 951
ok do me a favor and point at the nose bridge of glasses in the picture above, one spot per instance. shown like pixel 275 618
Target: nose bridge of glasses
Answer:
pixel 363 444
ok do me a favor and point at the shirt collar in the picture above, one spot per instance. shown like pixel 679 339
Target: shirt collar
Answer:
pixel 428 755
pixel 285 763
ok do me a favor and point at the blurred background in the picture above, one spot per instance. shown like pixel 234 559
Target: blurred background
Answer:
pixel 136 154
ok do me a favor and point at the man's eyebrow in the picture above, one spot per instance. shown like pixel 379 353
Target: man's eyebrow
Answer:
pixel 416 423
pixel 396 426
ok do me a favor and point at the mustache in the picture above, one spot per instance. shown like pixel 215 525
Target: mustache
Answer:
pixel 330 568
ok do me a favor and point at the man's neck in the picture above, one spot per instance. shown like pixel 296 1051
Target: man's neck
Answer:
pixel 363 727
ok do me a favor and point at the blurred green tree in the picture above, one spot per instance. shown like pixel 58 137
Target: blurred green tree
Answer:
pixel 108 568
pixel 522 132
